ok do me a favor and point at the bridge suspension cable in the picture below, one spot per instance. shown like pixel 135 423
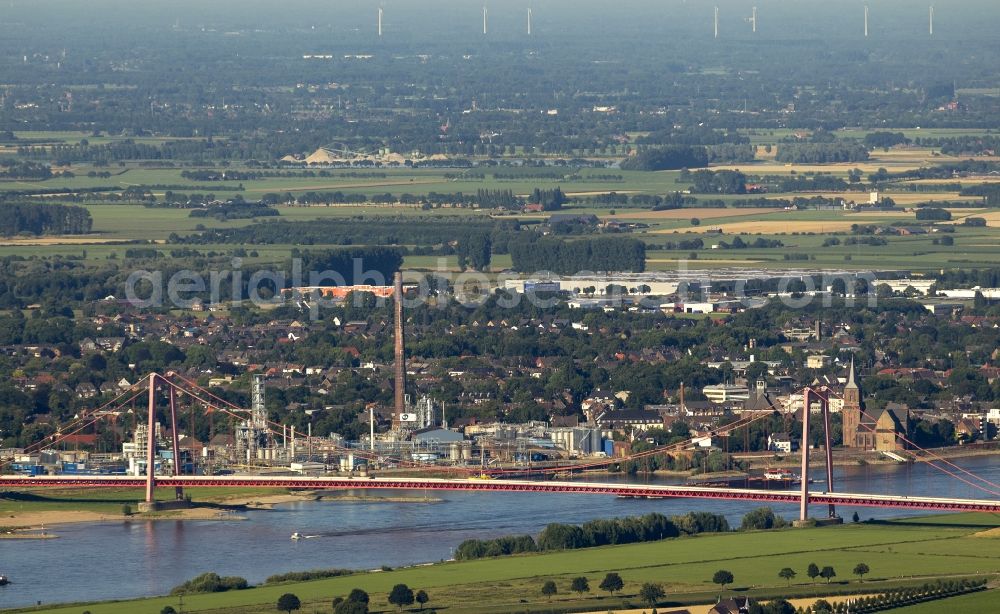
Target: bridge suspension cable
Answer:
pixel 88 418
pixel 947 462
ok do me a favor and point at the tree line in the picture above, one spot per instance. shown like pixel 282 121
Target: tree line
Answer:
pixel 989 191
pixel 821 153
pixel 602 532
pixel 362 230
pixel 44 219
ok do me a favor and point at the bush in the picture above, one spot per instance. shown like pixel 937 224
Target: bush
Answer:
pixel 562 537
pixel 211 583
pixel 501 546
pixel 694 523
pixel 933 213
pixel 356 603
pixel 302 576
pixel 612 582
pixel 288 602
pixel 760 519
pixel 401 595
pixel 722 578
pixel 651 593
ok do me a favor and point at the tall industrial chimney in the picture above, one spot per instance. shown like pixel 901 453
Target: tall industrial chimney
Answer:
pixel 397 294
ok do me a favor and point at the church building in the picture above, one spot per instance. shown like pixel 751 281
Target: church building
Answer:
pixel 863 431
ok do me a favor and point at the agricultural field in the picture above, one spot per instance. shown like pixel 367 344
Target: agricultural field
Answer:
pixel 898 553
pixel 764 137
pixel 803 232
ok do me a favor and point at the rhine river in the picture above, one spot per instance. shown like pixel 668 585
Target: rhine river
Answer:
pixel 119 560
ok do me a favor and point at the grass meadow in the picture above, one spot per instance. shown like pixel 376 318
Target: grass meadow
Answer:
pixel 898 553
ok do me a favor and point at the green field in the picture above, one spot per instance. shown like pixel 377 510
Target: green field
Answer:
pixel 898 553
pixel 986 601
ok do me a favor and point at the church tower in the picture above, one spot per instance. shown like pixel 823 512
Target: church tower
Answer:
pixel 852 409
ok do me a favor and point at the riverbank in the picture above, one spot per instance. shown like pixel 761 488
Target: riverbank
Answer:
pixel 267 502
pixel 899 553
pixel 36 521
pixel 36 508
pixel 844 458
pixel 841 458
pixel 23 534
pixel 219 508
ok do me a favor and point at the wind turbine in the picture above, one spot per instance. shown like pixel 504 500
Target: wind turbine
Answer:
pixel 529 21
pixel 380 22
pixel 752 19
pixel 930 22
pixel 866 21
pixel 716 22
pixel 484 20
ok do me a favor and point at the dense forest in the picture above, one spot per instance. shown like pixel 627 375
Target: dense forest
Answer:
pixel 821 153
pixel 667 158
pixel 43 219
pixel 353 266
pixel 237 210
pixel 569 257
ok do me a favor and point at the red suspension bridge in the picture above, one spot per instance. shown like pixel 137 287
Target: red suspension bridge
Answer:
pixel 493 486
pixel 173 386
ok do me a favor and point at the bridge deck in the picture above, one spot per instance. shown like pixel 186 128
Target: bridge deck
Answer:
pixel 482 485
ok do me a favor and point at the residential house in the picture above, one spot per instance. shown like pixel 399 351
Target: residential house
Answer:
pixel 732 605
pixel 629 418
pixel 760 400
pixel 781 442
pixel 86 390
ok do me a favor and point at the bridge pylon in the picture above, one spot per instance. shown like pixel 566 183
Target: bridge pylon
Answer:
pixel 807 393
pixel 151 443
pixel 151 439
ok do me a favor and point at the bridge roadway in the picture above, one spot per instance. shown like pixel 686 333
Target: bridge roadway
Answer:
pixel 495 485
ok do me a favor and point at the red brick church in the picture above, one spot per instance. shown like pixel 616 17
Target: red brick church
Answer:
pixel 883 432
